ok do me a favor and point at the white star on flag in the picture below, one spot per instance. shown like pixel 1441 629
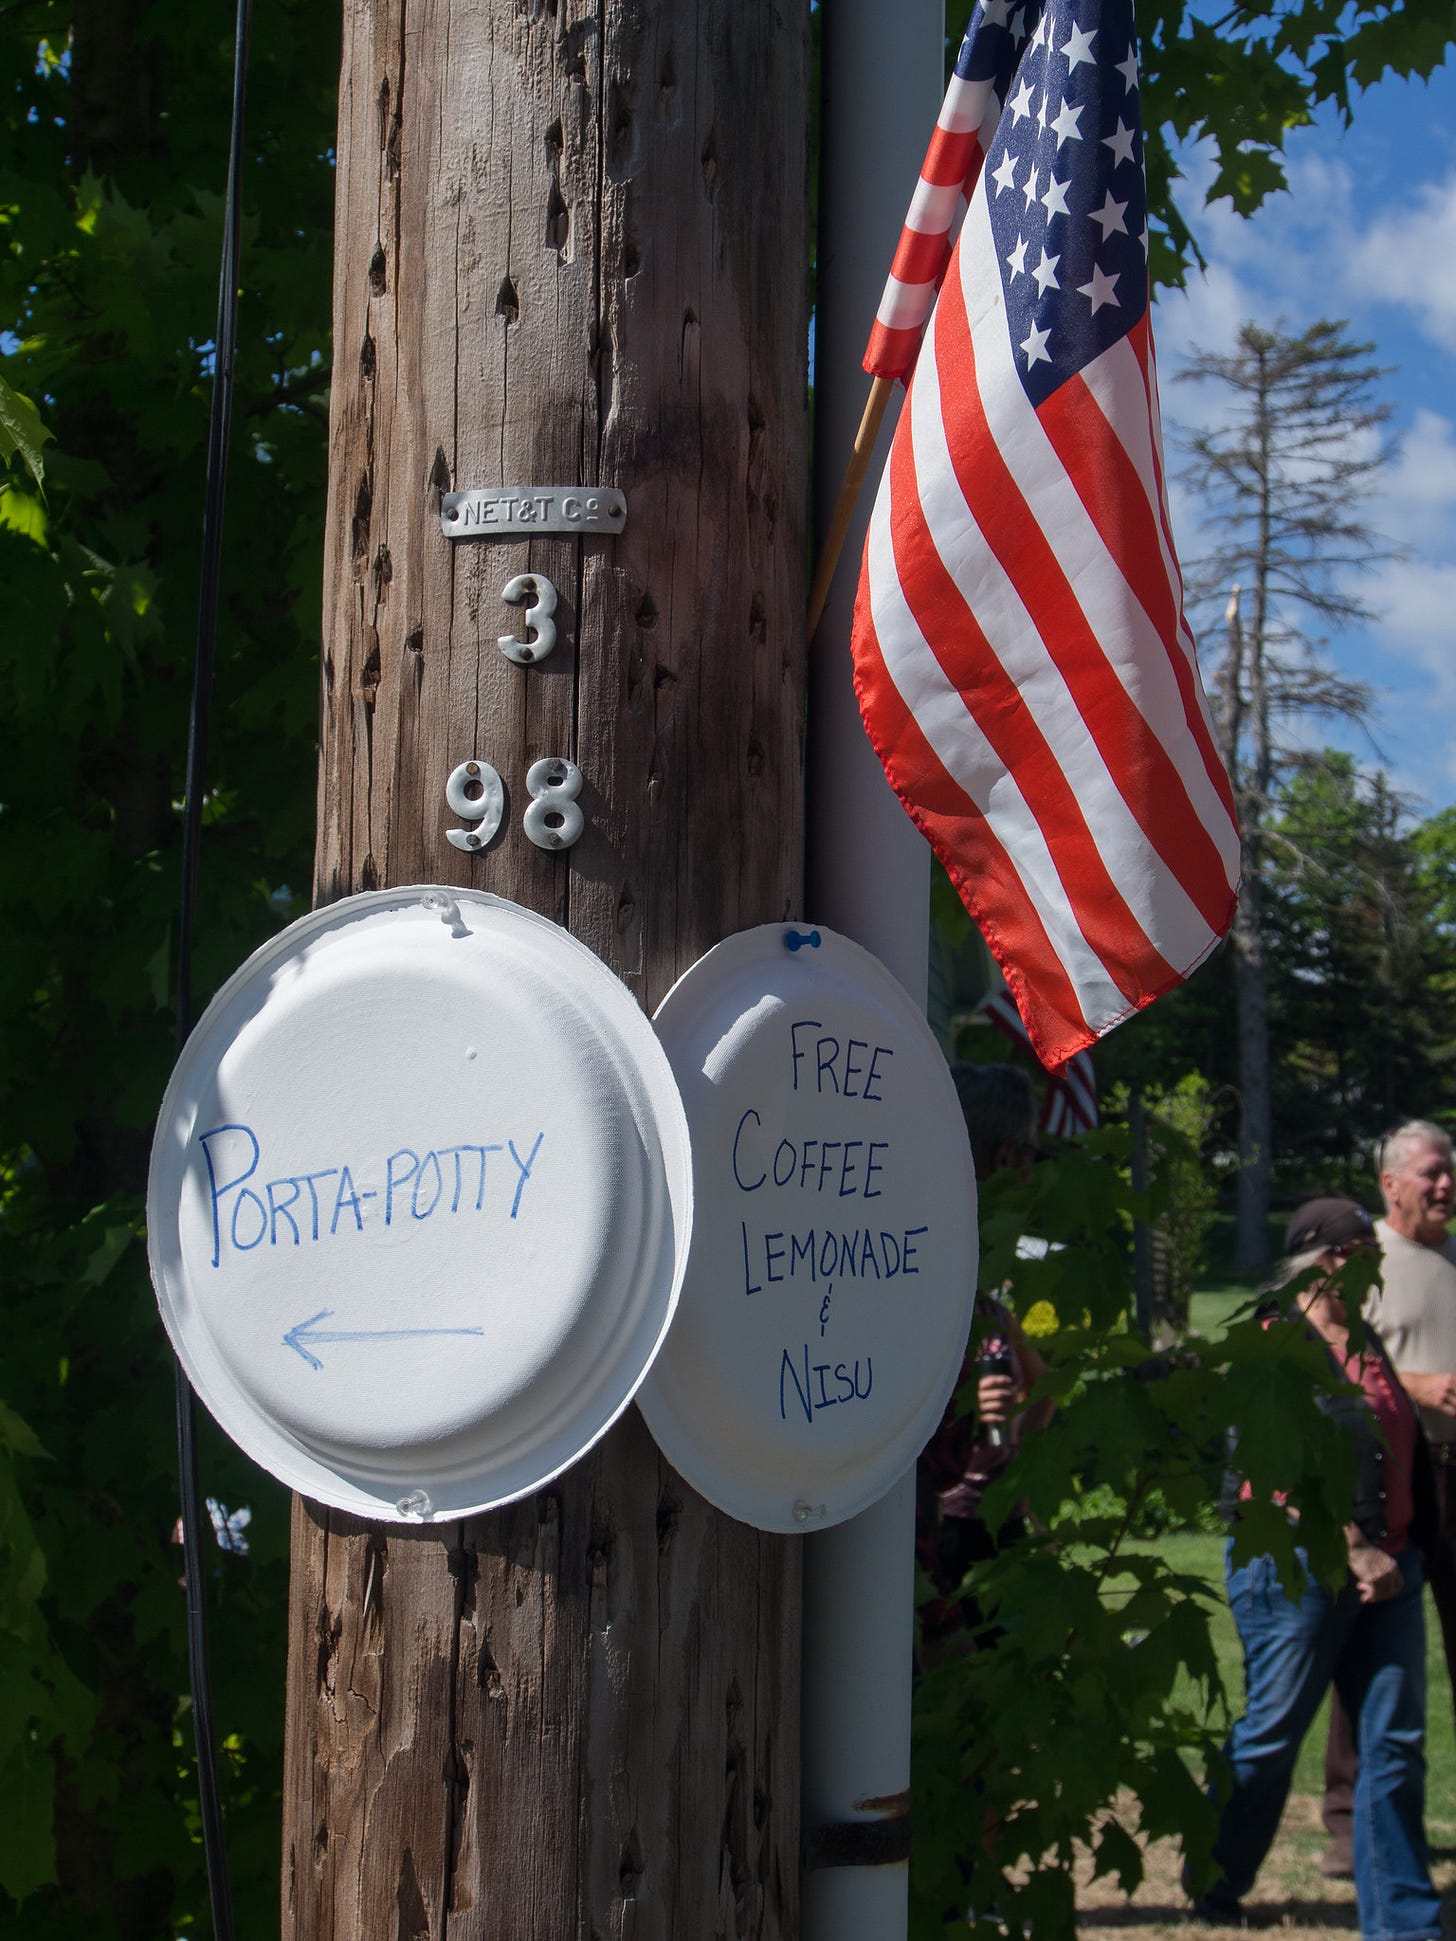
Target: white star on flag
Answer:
pixel 1110 216
pixel 1099 289
pixel 1079 47
pixel 1055 199
pixel 1120 143
pixel 1034 344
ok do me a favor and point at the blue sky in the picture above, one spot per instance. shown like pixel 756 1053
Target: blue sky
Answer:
pixel 1367 233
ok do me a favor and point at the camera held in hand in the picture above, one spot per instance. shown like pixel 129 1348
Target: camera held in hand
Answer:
pixel 996 1359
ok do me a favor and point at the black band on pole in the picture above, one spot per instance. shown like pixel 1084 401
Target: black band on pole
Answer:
pixel 224 351
pixel 859 1843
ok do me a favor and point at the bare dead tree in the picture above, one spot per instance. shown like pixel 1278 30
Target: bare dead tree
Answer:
pixel 1281 478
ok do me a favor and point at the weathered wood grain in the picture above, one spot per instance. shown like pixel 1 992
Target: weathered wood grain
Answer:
pixel 572 249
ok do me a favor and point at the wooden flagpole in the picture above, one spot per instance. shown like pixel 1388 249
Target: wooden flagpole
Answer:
pixel 859 458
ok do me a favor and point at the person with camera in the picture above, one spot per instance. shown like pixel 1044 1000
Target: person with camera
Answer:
pixel 1367 1637
pixel 971 1449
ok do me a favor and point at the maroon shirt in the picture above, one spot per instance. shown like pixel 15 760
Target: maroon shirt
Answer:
pixel 1399 1423
pixel 1395 1413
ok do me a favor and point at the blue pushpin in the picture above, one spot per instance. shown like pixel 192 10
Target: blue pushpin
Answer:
pixel 797 939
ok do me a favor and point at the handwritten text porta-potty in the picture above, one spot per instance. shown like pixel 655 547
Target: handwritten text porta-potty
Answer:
pixel 414 1184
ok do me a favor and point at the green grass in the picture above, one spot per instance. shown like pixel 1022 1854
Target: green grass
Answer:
pixel 1219 1291
pixel 1203 1556
pixel 1210 1309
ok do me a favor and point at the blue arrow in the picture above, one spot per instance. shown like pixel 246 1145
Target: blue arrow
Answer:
pixel 309 1331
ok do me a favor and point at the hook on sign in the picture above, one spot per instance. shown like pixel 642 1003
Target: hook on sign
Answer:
pixel 537 595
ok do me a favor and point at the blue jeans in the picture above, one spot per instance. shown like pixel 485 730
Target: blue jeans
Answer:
pixel 1375 1654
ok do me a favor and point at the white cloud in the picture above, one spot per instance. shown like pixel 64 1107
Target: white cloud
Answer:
pixel 1415 613
pixel 1207 314
pixel 1408 258
pixel 1410 653
pixel 1272 268
pixel 1418 492
pixel 1324 248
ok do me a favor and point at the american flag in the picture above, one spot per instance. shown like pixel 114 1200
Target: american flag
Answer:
pixel 1022 661
pixel 1069 1102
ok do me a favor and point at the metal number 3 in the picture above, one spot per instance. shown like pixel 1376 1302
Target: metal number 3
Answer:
pixel 554 820
pixel 484 808
pixel 538 596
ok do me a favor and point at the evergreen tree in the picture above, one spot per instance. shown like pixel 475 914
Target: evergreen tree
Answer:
pixel 1433 851
pixel 1349 948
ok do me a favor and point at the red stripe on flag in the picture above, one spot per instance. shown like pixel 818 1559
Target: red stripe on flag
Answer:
pixel 1133 529
pixel 1069 1104
pixel 891 352
pixel 955 829
pixel 991 696
pixel 953 160
pixel 1145 773
pixel 921 258
pixel 1147 363
pixel 950 156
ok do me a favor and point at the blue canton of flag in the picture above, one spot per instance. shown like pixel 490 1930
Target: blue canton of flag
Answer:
pixel 992 45
pixel 1064 178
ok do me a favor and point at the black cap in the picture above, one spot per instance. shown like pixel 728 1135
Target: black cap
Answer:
pixel 1327 1223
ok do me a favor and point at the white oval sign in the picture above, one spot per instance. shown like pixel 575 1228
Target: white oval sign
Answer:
pixel 829 1289
pixel 419 1197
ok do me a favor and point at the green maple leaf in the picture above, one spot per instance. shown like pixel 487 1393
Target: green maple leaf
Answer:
pixel 21 431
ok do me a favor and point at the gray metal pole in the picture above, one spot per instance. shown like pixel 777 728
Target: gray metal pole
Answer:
pixel 869 877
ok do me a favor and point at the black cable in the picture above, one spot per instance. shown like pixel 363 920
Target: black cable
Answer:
pixel 224 352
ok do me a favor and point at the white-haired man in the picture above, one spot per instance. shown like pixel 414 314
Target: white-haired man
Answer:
pixel 1415 1316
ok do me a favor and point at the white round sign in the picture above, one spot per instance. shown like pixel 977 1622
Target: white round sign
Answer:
pixel 828 1293
pixel 419 1201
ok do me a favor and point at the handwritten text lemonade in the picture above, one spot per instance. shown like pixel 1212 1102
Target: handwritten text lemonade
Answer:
pixel 840 1236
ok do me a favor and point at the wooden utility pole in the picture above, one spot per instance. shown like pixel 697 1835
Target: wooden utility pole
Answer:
pixel 572 250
